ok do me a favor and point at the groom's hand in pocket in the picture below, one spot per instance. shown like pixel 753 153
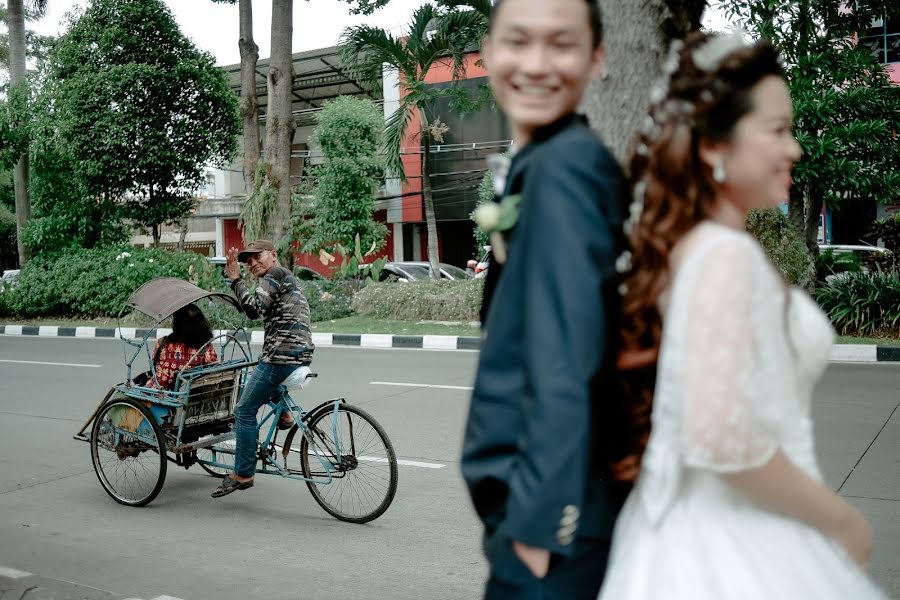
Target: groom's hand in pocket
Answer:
pixel 536 559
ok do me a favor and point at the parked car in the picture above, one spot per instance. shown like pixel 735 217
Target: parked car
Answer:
pixel 307 274
pixel 860 251
pixel 403 271
pixel 448 271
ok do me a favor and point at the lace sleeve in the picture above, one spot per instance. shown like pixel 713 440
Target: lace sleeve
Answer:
pixel 728 312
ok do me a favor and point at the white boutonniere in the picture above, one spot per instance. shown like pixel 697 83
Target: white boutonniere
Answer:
pixel 496 217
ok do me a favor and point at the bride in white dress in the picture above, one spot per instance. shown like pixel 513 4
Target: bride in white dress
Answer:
pixel 729 501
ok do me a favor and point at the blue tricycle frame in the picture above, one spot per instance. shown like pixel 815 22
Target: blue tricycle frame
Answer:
pixel 344 455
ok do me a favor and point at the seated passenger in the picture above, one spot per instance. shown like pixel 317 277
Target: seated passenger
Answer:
pixel 190 331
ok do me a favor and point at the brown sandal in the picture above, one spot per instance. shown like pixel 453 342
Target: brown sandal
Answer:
pixel 229 484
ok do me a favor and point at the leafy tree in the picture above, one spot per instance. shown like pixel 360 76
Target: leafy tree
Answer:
pixel 138 108
pixel 846 112
pixel 367 49
pixel 349 132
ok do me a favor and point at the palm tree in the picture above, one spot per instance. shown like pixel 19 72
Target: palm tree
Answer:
pixel 16 25
pixel 366 49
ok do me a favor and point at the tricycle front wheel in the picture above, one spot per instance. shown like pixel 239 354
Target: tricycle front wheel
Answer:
pixel 128 451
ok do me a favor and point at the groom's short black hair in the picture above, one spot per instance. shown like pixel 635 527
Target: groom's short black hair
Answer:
pixel 596 18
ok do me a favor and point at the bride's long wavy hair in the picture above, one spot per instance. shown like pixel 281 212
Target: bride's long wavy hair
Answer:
pixel 678 191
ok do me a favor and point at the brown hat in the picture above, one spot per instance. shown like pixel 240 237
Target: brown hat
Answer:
pixel 255 247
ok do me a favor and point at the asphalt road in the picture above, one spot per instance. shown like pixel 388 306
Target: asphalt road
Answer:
pixel 273 541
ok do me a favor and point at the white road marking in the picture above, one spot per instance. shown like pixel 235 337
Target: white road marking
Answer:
pixel 423 385
pixel 13 573
pixel 51 364
pixel 401 461
pixel 165 598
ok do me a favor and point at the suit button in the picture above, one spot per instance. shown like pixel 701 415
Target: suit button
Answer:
pixel 572 510
pixel 563 539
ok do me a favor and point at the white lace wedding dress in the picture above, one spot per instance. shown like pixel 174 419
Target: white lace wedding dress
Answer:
pixel 739 358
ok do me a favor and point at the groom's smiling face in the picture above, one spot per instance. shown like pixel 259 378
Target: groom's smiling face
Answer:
pixel 540 55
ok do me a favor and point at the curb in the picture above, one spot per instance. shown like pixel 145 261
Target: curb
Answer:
pixel 839 352
pixel 359 340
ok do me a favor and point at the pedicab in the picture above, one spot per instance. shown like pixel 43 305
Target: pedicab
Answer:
pixel 138 430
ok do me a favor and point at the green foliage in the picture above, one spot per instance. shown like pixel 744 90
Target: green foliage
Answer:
pixel 485 194
pixel 441 300
pixel 887 230
pixel 139 109
pixel 781 242
pixel 260 206
pixel 863 303
pixel 349 132
pixel 328 299
pixel 830 263
pixel 65 214
pixel 846 111
pixel 96 282
pixel 14 126
pixel 353 265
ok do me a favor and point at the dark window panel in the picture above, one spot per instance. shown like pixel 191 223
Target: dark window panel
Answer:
pixel 876 45
pixel 893 25
pixel 893 49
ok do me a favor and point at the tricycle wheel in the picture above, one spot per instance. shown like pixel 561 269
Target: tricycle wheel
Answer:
pixel 128 451
pixel 350 466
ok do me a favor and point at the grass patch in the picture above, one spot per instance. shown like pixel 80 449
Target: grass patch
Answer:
pixel 849 339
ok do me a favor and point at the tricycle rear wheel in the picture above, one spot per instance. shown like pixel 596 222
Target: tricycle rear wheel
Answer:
pixel 128 451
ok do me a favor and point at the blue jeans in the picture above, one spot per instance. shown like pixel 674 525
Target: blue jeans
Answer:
pixel 261 388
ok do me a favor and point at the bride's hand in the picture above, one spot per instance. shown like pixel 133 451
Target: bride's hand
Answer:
pixel 854 533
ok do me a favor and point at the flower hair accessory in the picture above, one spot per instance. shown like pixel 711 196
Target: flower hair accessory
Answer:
pixel 710 55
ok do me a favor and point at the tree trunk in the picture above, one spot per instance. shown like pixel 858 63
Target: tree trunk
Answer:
pixel 16 14
pixel 279 120
pixel 800 219
pixel 156 235
pixel 636 35
pixel 248 103
pixel 428 201
pixel 182 236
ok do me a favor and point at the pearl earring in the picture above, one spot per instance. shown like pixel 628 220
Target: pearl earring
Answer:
pixel 719 175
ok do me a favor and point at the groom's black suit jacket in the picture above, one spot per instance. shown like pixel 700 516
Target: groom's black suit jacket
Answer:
pixel 534 455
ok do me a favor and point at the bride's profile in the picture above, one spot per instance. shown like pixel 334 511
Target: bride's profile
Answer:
pixel 720 357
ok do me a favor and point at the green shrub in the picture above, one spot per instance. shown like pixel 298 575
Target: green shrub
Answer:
pixel 832 263
pixel 96 282
pixel 863 303
pixel 421 300
pixel 781 243
pixel 328 299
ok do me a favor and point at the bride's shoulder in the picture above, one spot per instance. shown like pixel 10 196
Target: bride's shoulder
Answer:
pixel 716 244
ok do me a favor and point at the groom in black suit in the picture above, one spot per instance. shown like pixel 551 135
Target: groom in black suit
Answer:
pixel 535 452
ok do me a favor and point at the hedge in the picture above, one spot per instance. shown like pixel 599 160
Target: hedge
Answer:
pixel 96 282
pixel 421 300
pixel 781 242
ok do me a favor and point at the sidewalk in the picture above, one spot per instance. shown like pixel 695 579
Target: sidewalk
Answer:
pixel 839 352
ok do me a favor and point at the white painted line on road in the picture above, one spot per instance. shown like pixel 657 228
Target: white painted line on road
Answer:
pixel 376 340
pixel 13 573
pixel 165 598
pixel 51 364
pixel 402 461
pixel 423 385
